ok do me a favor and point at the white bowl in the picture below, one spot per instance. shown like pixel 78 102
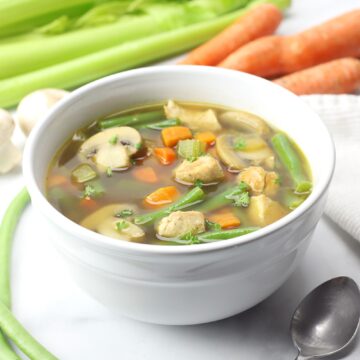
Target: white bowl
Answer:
pixel 195 283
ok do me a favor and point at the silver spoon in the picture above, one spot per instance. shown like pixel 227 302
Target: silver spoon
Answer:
pixel 327 319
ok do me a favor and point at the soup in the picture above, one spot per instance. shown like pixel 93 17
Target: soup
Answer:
pixel 178 173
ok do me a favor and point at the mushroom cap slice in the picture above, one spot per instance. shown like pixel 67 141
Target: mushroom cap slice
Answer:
pixel 104 222
pixel 125 136
pixel 131 232
pixel 243 121
pixel 258 153
pixel 113 157
pixel 112 148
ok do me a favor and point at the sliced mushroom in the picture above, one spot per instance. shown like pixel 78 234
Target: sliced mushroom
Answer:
pixel 196 120
pixel 239 158
pixel 112 147
pixel 243 121
pixel 104 221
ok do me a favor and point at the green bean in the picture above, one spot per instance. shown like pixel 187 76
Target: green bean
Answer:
pixel 192 197
pixel 8 324
pixel 225 234
pixel 292 200
pixel 7 230
pixel 217 201
pixel 20 336
pixel 292 162
pixel 132 120
pixel 163 124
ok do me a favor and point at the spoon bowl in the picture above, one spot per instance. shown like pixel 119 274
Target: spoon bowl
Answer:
pixel 327 319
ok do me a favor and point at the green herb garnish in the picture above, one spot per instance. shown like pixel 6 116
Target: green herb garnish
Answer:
pixel 113 140
pixel 199 183
pixel 213 226
pixel 239 144
pixel 138 146
pixel 124 213
pixel 109 172
pixel 121 225
pixel 93 190
pixel 240 195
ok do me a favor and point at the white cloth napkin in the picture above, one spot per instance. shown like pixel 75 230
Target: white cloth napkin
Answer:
pixel 341 114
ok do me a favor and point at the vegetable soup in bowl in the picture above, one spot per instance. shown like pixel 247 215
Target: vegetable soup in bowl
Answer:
pixel 180 185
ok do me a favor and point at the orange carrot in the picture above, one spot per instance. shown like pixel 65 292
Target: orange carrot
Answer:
pixel 260 21
pixel 165 155
pixel 145 174
pixel 334 77
pixel 56 180
pixel 172 135
pixel 162 196
pixel 225 218
pixel 275 55
pixel 88 203
pixel 207 137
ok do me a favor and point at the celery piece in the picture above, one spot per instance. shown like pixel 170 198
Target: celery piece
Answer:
pixel 191 149
pixel 83 173
pixel 125 56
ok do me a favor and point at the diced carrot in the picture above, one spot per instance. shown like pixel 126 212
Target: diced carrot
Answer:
pixel 162 196
pixel 226 218
pixel 207 137
pixel 172 135
pixel 56 180
pixel 165 155
pixel 145 174
pixel 89 203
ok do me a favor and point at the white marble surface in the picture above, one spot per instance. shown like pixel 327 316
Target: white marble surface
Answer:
pixel 73 326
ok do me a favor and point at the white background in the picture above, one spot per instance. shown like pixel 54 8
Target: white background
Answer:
pixel 73 326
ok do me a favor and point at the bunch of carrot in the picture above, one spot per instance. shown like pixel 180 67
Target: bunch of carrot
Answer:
pixel 320 60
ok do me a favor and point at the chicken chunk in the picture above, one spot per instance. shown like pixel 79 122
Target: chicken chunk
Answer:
pixel 196 120
pixel 260 180
pixel 206 169
pixel 180 223
pixel 263 211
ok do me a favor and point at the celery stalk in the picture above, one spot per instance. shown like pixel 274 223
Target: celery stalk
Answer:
pixel 48 50
pixel 81 70
pixel 19 11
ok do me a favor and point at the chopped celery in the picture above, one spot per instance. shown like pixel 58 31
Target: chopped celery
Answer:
pixel 83 173
pixel 191 149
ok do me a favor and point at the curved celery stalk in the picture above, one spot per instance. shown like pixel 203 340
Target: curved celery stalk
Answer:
pixel 292 162
pixel 129 55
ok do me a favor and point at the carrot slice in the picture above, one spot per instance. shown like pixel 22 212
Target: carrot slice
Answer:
pixel 207 137
pixel 88 203
pixel 165 155
pixel 56 180
pixel 172 135
pixel 145 174
pixel 162 196
pixel 226 218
